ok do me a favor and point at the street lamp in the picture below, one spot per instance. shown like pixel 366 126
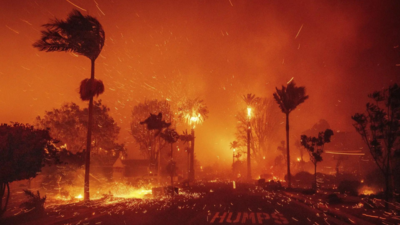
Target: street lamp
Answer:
pixel 248 142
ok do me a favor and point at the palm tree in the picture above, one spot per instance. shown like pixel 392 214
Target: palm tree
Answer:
pixel 250 100
pixel 171 136
pixel 192 112
pixel 234 145
pixel 288 98
pixel 85 36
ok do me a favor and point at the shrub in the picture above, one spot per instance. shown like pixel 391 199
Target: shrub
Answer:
pixel 333 199
pixel 349 187
pixel 303 178
pixel 34 201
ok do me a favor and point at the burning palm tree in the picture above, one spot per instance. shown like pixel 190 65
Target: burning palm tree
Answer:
pixel 288 98
pixel 250 100
pixel 192 112
pixel 85 36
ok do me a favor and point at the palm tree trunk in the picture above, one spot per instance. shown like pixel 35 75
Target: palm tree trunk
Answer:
pixel 89 141
pixel 3 187
pixel 159 161
pixel 387 182
pixel 191 170
pixel 248 152
pixel 172 175
pixel 315 176
pixel 287 153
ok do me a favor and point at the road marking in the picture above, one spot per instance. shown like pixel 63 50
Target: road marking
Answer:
pixel 246 217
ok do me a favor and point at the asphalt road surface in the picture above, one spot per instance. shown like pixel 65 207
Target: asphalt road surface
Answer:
pixel 211 203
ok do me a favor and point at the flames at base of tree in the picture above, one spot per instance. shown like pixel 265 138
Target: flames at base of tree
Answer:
pixel 106 190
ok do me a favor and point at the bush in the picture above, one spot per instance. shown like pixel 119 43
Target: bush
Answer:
pixel 333 199
pixel 349 187
pixel 303 178
pixel 308 191
pixel 34 201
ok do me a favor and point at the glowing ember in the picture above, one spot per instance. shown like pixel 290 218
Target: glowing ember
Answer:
pixel 79 197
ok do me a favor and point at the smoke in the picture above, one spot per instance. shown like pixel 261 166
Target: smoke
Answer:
pixel 218 51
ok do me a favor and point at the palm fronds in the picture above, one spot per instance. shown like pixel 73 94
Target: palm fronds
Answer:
pixel 81 34
pixel 288 98
pixel 90 88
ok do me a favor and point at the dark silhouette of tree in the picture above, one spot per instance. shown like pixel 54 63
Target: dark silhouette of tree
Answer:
pixel 288 98
pixel 264 127
pixel 85 36
pixel 315 147
pixel 155 122
pixel 24 150
pixel 68 124
pixel 235 149
pixel 249 99
pixel 145 134
pixel 171 136
pixel 379 127
pixel 281 148
pixel 192 112
pixel 185 137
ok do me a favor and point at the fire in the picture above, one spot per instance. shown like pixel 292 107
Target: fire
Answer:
pixel 365 190
pixel 298 159
pixel 110 189
pixel 249 112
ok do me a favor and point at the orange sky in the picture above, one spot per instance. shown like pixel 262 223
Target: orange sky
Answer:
pixel 217 50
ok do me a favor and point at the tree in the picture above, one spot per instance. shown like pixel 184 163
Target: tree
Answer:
pixel 315 147
pixel 144 137
pixel 170 136
pixel 234 146
pixel 69 123
pixel 264 127
pixel 193 112
pixel 85 36
pixel 249 100
pixel 288 98
pixel 379 127
pixel 24 150
pixel 185 137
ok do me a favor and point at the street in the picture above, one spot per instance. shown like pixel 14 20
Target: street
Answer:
pixel 210 203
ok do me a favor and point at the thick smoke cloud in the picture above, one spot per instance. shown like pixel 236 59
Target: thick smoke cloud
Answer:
pixel 217 50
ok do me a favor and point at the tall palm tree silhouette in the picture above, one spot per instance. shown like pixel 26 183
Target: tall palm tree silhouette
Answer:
pixel 250 100
pixel 192 111
pixel 85 36
pixel 288 98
